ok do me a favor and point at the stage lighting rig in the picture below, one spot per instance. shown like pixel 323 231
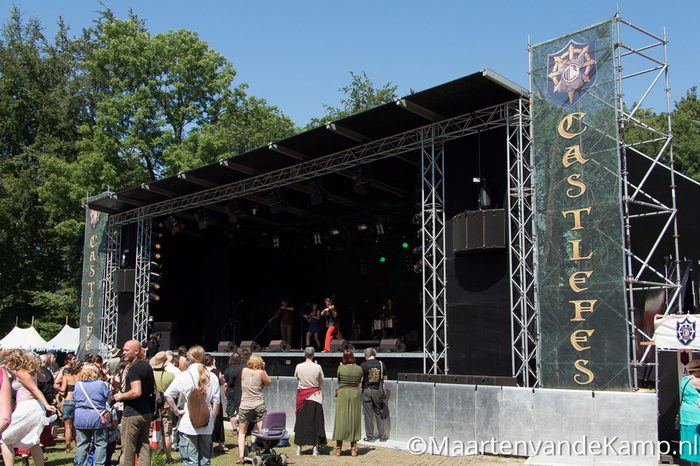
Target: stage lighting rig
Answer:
pixel 362 180
pixel 317 238
pixel 202 218
pixel 173 224
pixel 232 210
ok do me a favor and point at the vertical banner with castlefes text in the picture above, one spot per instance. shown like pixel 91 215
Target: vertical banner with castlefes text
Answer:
pixel 92 290
pixel 580 260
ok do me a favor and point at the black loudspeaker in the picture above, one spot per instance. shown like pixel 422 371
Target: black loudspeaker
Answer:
pixel 227 347
pixel 251 345
pixel 409 377
pixel 478 231
pixel 341 345
pixel 279 345
pixel 124 280
pixel 392 346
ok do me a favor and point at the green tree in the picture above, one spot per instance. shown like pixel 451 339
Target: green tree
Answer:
pixel 39 114
pixel 686 134
pixel 360 95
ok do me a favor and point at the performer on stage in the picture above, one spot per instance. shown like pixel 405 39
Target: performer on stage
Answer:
pixel 286 315
pixel 331 314
pixel 314 320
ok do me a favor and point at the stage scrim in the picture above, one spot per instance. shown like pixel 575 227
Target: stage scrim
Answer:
pixel 578 215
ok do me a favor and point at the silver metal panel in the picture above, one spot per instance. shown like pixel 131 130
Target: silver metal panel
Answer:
pixel 563 414
pixel 415 416
pixel 328 390
pixel 455 409
pixel 392 386
pixel 488 414
pixel 286 398
pixel 517 416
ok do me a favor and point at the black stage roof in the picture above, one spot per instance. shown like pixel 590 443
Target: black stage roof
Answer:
pixel 394 182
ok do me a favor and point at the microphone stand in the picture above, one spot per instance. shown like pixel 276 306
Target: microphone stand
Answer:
pixel 234 321
pixel 268 324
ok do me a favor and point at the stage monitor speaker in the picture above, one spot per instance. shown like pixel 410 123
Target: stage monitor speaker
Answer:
pixel 341 345
pixel 227 347
pixel 279 346
pixel 124 280
pixel 251 345
pixel 392 346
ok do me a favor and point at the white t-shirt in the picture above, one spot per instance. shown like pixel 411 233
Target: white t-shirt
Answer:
pixel 184 384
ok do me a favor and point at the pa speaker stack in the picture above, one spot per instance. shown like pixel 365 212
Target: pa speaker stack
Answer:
pixel 279 346
pixel 251 345
pixel 341 345
pixel 392 346
pixel 227 347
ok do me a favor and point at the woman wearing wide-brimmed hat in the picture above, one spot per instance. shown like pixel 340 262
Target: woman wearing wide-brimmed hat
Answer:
pixel 690 413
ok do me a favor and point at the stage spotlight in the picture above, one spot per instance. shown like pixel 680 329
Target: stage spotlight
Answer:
pixel 155 266
pixel 173 224
pixel 334 231
pixel 276 202
pixel 362 180
pixel 155 276
pixel 318 192
pixel 418 267
pixel 317 238
pixel 202 218
pixel 362 227
pixel 379 227
pixel 275 242
pixel 255 210
pixel 418 219
pixel 153 297
pixel 232 210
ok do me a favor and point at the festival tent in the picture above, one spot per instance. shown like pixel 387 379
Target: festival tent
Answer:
pixel 68 340
pixel 24 338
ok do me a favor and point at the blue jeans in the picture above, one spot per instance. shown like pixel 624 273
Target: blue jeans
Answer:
pixel 196 450
pixel 82 446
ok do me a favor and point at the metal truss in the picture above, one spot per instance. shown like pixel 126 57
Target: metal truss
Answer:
pixel 433 264
pixel 108 324
pixel 640 274
pixel 142 279
pixel 522 239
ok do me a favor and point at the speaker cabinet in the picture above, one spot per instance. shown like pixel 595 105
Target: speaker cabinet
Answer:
pixel 227 347
pixel 279 346
pixel 341 345
pixel 478 231
pixel 251 345
pixel 392 346
pixel 124 280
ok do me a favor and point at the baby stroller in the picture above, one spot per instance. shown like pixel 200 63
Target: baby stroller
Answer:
pixel 273 430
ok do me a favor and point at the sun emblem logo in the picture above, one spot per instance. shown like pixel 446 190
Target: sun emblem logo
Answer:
pixel 685 331
pixel 571 72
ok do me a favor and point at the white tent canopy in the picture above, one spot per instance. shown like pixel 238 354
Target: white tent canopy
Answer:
pixel 68 340
pixel 24 338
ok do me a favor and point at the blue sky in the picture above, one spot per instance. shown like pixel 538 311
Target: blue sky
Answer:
pixel 297 54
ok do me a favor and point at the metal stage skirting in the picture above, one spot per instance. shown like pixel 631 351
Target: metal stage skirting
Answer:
pixel 457 420
pixel 283 363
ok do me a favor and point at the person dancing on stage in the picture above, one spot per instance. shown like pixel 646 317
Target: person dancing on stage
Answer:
pixel 331 314
pixel 314 320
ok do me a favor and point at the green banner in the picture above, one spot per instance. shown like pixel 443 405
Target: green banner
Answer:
pixel 92 291
pixel 580 260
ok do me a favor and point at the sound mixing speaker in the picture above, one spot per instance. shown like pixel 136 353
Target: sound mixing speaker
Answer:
pixel 459 233
pixel 392 346
pixel 124 280
pixel 279 345
pixel 341 345
pixel 475 230
pixel 251 345
pixel 227 347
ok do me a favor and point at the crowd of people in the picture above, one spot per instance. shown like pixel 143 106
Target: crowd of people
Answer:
pixel 104 403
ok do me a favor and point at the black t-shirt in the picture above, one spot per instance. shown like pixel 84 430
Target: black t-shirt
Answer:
pixel 371 373
pixel 47 387
pixel 140 370
pixel 152 348
pixel 232 376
